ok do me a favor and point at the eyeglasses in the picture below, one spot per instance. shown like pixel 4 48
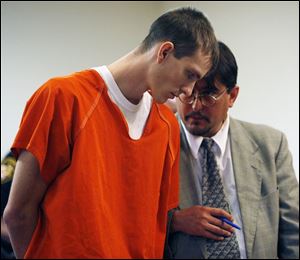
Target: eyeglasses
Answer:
pixel 206 100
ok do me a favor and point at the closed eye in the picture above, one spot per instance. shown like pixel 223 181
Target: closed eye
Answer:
pixel 192 76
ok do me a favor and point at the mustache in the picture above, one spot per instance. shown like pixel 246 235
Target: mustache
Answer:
pixel 196 114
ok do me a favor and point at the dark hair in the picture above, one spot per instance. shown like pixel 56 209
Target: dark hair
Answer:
pixel 226 70
pixel 188 29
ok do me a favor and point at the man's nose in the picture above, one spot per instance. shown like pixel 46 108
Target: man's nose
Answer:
pixel 188 89
pixel 197 105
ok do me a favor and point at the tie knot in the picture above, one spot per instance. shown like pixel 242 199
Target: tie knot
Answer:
pixel 207 143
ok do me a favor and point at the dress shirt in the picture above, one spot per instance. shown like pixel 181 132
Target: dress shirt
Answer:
pixel 222 151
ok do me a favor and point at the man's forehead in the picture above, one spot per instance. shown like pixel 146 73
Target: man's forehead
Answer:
pixel 203 84
pixel 202 63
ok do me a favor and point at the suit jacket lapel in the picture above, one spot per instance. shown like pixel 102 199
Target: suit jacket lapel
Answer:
pixel 189 182
pixel 246 165
pixel 190 191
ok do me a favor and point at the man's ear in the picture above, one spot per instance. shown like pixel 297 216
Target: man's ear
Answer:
pixel 233 95
pixel 164 51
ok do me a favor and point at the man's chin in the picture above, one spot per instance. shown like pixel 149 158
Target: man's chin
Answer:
pixel 197 130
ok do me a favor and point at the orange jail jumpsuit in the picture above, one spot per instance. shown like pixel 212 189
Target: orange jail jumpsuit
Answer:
pixel 108 194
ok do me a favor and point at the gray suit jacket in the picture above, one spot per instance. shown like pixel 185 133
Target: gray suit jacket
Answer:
pixel 267 189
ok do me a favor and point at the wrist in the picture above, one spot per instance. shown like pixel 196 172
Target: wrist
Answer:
pixel 175 222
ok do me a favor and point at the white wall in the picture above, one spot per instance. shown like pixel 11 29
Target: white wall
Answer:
pixel 40 40
pixel 264 37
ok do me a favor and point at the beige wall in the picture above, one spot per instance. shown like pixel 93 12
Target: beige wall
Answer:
pixel 40 40
pixel 44 39
pixel 264 37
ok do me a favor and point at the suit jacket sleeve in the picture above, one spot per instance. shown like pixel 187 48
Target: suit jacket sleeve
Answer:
pixel 288 241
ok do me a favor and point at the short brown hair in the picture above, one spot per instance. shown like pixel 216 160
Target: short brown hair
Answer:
pixel 188 29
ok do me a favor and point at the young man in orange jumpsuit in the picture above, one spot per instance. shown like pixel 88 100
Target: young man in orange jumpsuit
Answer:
pixel 97 167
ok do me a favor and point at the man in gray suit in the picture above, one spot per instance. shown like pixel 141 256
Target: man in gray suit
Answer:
pixel 256 171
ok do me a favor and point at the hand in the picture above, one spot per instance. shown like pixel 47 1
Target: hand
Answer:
pixel 202 221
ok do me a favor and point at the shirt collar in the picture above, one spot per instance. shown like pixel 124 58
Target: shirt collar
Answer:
pixel 220 139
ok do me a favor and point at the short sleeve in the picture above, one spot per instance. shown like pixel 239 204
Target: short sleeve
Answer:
pixel 174 185
pixel 173 198
pixel 45 129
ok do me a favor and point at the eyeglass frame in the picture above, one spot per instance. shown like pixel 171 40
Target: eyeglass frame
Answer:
pixel 199 97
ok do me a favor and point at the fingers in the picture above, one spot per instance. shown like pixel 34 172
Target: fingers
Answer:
pixel 221 213
pixel 203 221
pixel 219 231
pixel 208 234
pixel 221 224
pixel 216 226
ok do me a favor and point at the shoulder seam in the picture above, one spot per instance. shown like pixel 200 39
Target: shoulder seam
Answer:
pixel 89 113
pixel 173 156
